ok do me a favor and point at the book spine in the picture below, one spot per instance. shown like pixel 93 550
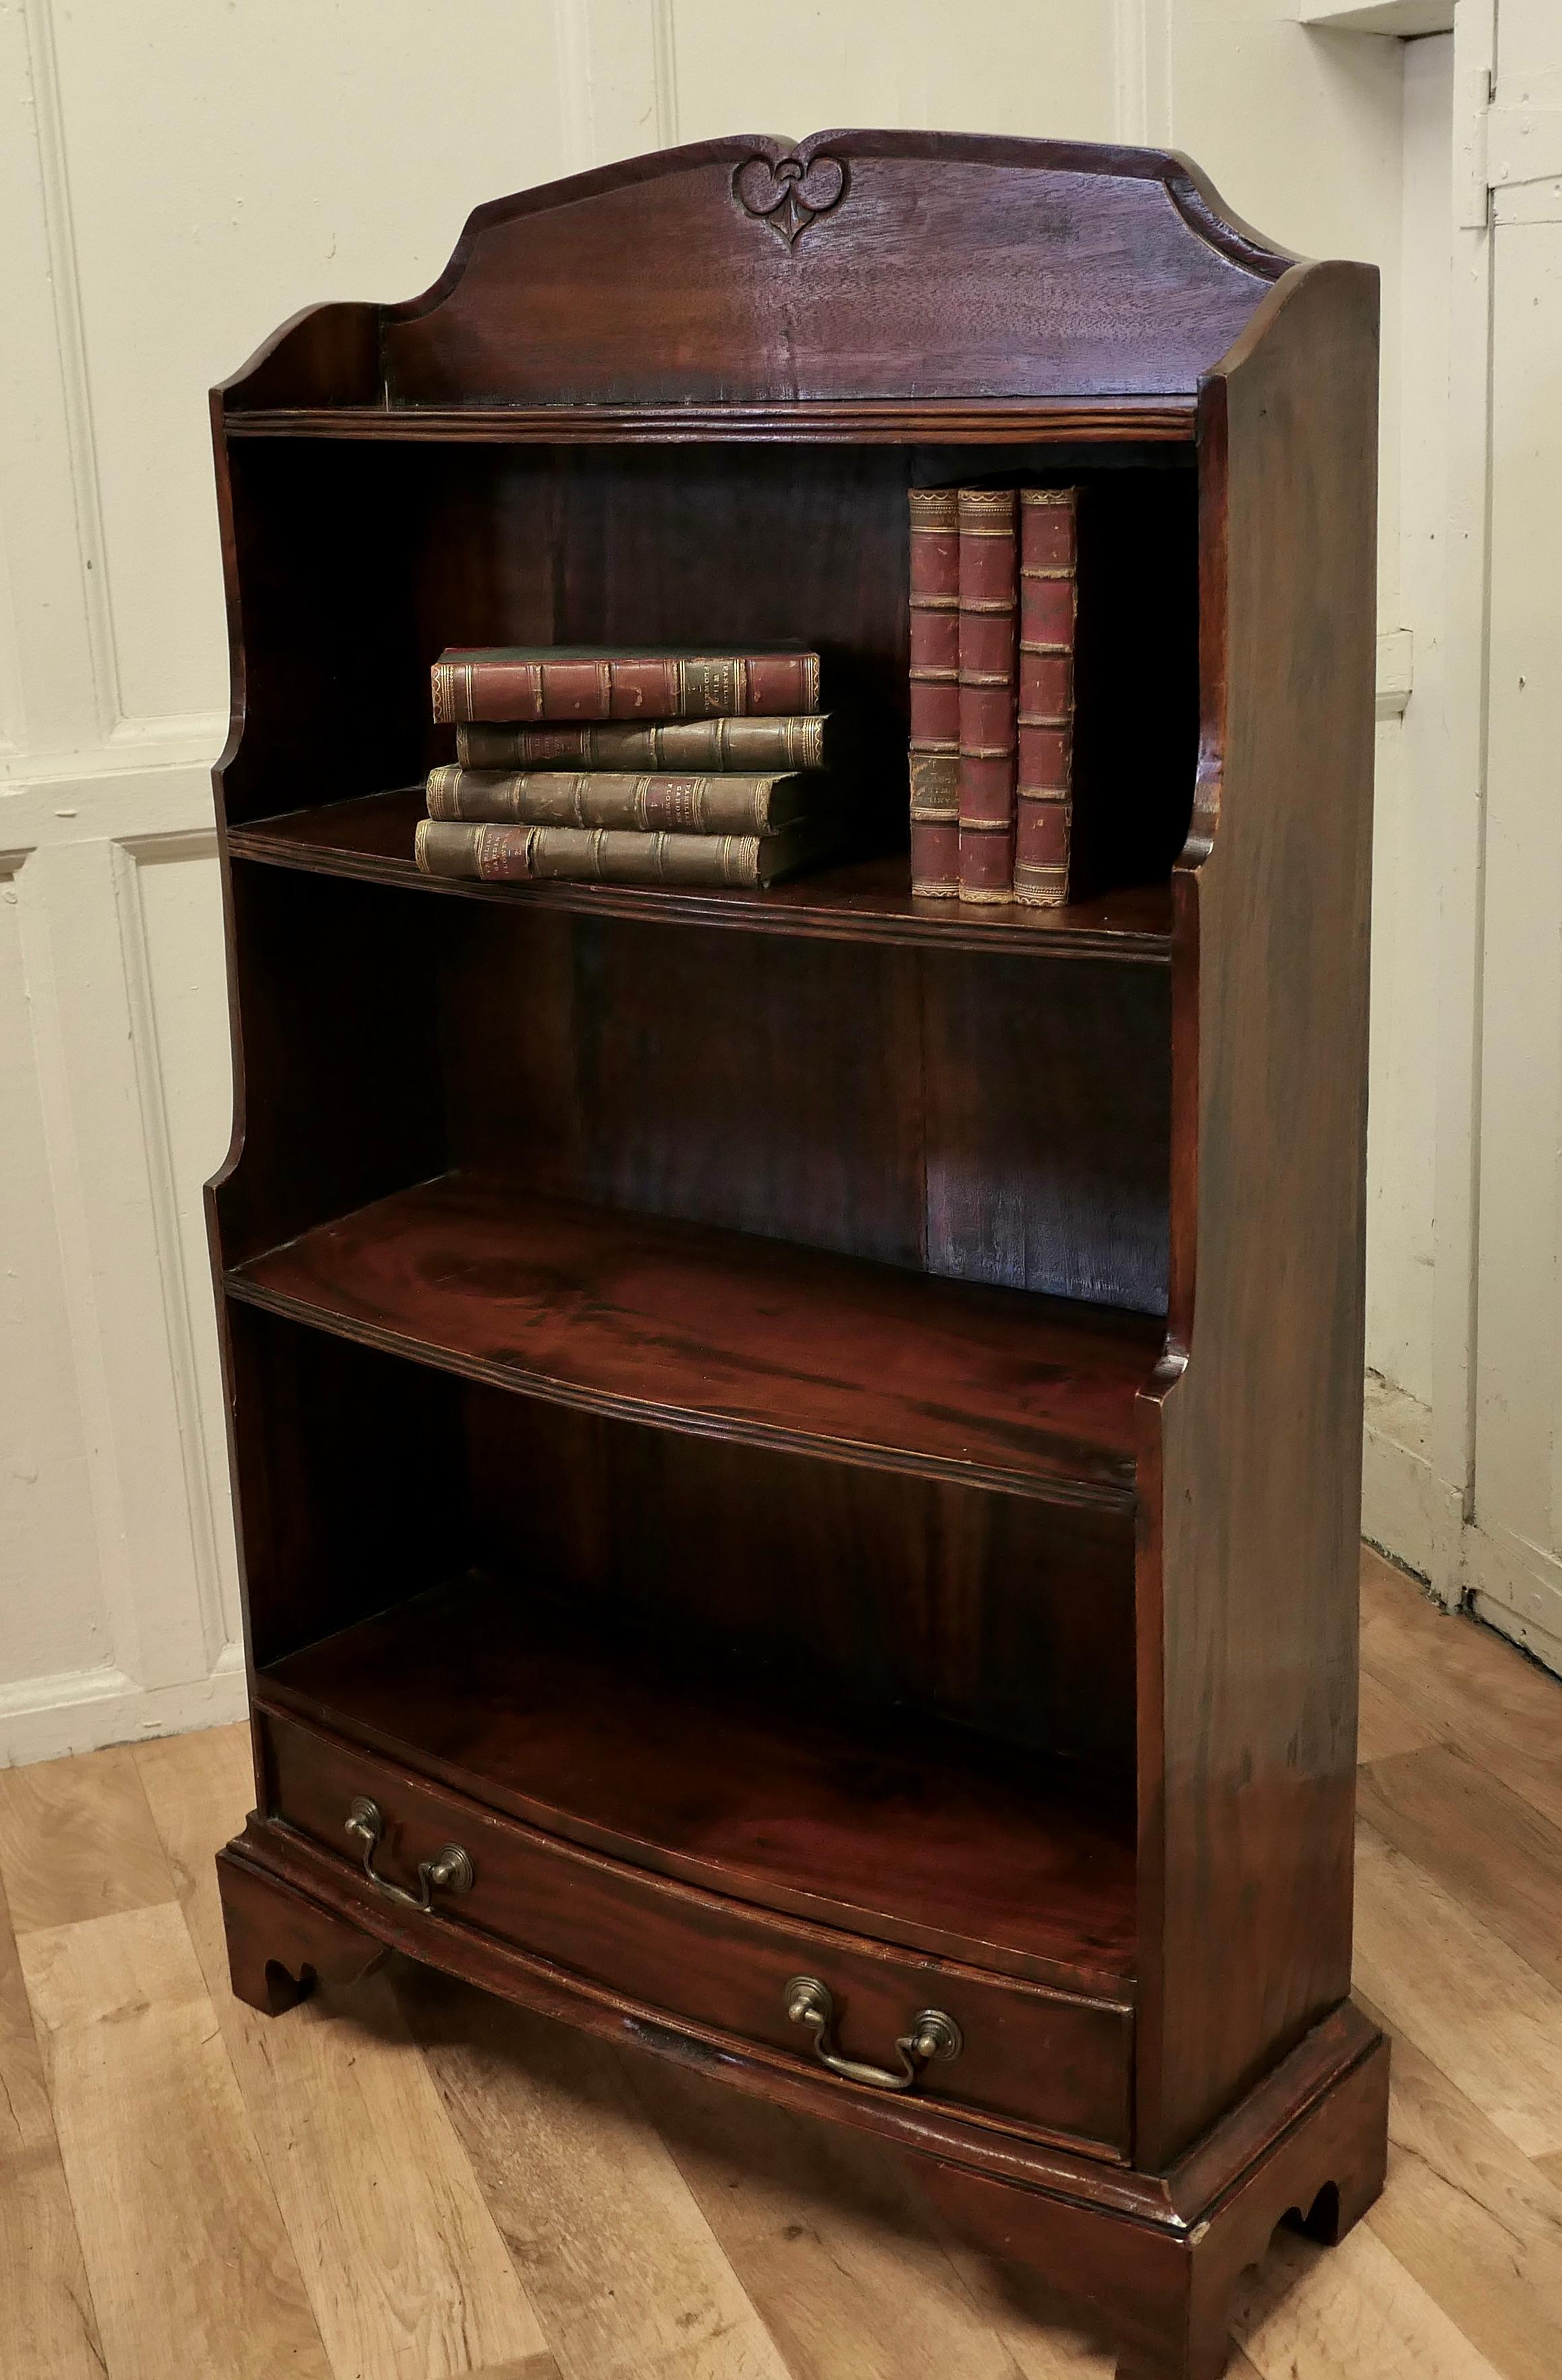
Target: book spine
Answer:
pixel 741 745
pixel 1049 588
pixel 989 665
pixel 512 855
pixel 518 687
pixel 645 805
pixel 935 692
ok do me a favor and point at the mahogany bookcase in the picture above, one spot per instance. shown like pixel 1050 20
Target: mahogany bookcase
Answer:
pixel 798 1453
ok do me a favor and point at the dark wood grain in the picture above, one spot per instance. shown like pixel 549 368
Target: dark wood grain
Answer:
pixel 989 1119
pixel 616 1739
pixel 326 1436
pixel 750 1338
pixel 709 1959
pixel 579 1060
pixel 863 421
pixel 1248 1693
pixel 1167 2294
pixel 852 1490
pixel 866 900
pixel 1104 270
pixel 339 1095
pixel 280 1945
pixel 819 1579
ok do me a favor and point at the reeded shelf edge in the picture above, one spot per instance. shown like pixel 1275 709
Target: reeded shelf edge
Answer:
pixel 931 421
pixel 683 1419
pixel 862 901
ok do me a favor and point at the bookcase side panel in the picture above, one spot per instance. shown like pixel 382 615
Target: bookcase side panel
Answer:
pixel 1251 1617
pixel 349 1480
pixel 339 1098
pixel 333 688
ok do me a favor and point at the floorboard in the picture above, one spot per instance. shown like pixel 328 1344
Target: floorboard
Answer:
pixel 409 2179
pixel 48 2329
pixel 401 2256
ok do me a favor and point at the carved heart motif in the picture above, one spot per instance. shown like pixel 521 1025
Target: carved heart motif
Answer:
pixel 788 195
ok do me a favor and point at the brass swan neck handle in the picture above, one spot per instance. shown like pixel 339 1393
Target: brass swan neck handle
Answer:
pixel 451 1872
pixel 932 2035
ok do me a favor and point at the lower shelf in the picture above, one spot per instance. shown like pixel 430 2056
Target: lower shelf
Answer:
pixel 898 1829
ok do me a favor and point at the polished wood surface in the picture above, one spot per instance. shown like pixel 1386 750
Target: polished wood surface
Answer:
pixel 366 1479
pixel 750 1338
pixel 864 900
pixel 457 2175
pixel 621 1742
pixel 1248 1688
pixel 695 275
pixel 1040 2064
pixel 995 421
pixel 492 1152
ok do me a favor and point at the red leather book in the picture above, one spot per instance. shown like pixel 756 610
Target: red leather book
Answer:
pixel 989 665
pixel 935 692
pixel 526 682
pixel 1048 560
pixel 753 745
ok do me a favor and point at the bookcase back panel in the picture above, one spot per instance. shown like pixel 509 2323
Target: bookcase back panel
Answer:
pixel 826 1579
pixel 768 1085
pixel 984 1118
pixel 996 1119
pixel 1047 1126
pixel 391 553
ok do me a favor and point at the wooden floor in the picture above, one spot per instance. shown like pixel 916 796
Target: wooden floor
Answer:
pixel 408 2181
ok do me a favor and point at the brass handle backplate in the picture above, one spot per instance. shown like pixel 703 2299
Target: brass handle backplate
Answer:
pixel 932 2035
pixel 452 1871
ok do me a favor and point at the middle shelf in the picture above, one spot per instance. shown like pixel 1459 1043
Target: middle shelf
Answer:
pixel 729 1335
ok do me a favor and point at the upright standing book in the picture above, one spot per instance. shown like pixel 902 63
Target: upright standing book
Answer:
pixel 1048 564
pixel 989 655
pixel 935 692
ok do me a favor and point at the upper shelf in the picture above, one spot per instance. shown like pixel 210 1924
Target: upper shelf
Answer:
pixel 867 900
pixel 974 421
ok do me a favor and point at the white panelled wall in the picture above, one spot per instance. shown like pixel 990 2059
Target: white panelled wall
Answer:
pixel 177 178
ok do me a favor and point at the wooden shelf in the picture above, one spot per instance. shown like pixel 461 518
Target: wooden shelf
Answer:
pixel 859 421
pixel 869 900
pixel 730 1335
pixel 500 1694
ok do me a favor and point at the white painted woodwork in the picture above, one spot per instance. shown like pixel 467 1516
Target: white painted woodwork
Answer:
pixel 175 181
pixel 1401 19
pixel 1518 1581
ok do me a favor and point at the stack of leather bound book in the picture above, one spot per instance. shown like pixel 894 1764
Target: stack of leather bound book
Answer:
pixel 630 766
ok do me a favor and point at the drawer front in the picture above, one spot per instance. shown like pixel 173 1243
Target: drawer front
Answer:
pixel 1041 2058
